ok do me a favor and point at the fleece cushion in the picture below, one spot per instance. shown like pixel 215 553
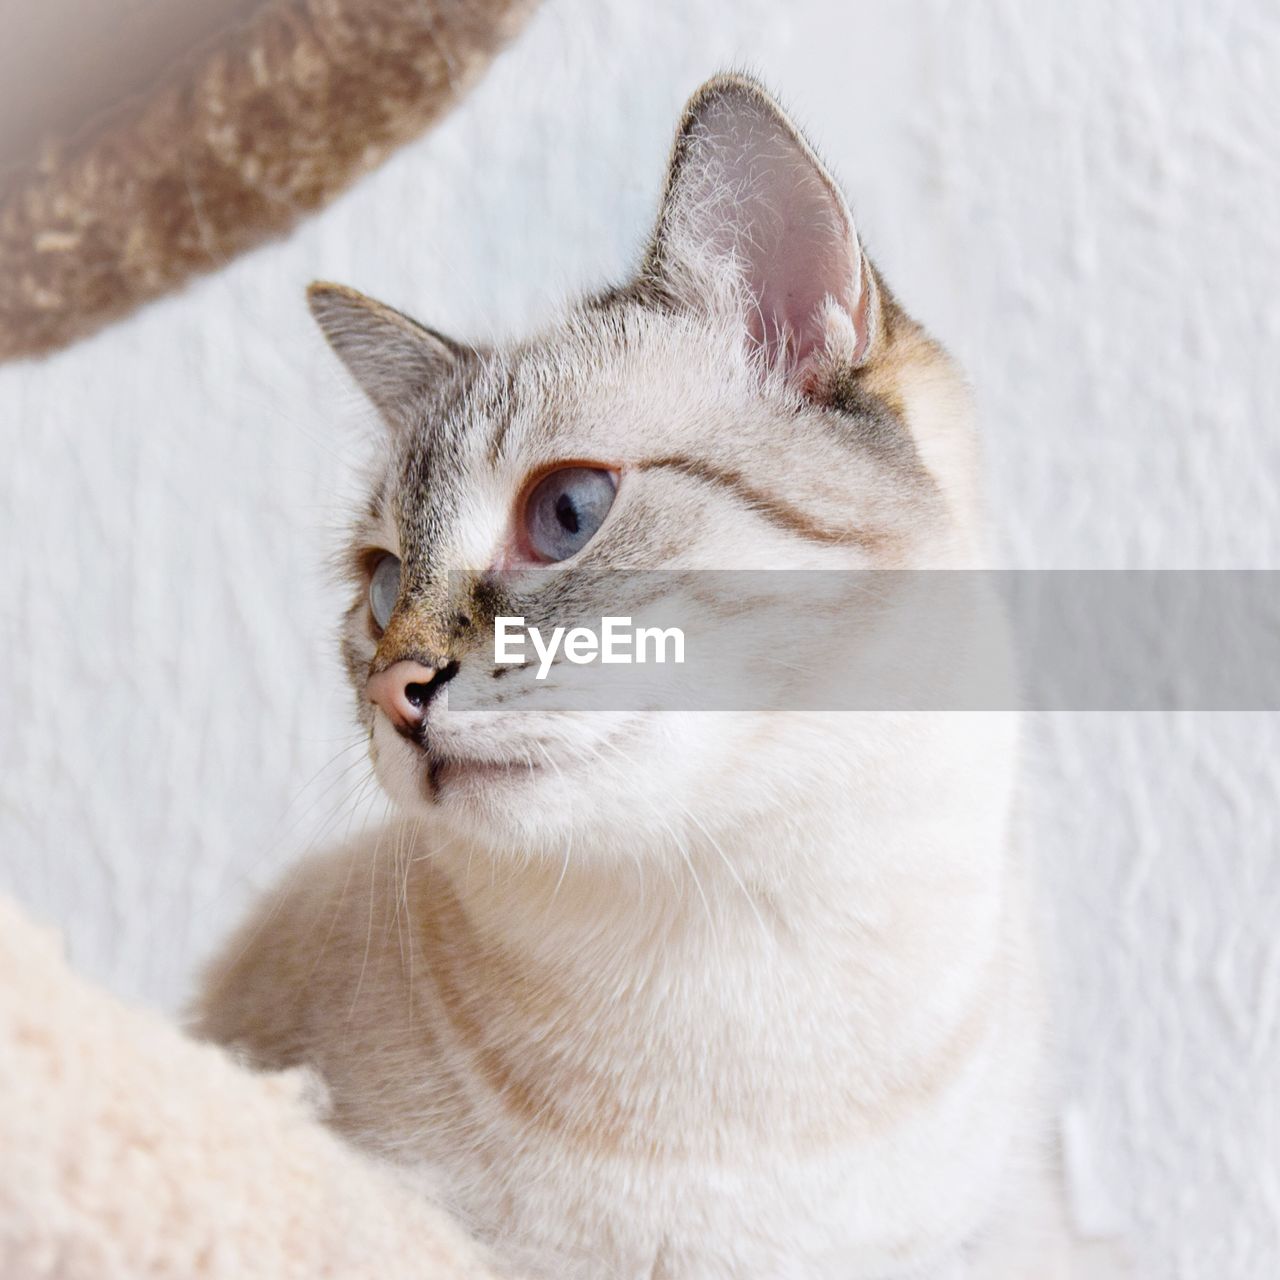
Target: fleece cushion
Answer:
pixel 130 1152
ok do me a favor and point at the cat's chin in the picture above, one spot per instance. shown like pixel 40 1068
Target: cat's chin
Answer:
pixel 430 780
pixel 448 775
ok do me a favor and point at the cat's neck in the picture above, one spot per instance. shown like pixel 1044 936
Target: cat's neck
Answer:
pixel 801 966
pixel 922 854
pixel 580 969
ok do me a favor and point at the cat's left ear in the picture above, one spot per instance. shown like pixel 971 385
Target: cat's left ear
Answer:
pixel 749 207
pixel 392 358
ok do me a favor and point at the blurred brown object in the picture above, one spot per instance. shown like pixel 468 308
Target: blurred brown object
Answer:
pixel 143 142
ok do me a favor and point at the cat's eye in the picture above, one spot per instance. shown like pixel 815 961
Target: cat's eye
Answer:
pixel 384 587
pixel 565 509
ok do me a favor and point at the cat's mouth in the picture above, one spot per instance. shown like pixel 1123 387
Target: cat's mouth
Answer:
pixel 446 771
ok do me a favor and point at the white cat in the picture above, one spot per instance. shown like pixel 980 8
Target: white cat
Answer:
pixel 669 994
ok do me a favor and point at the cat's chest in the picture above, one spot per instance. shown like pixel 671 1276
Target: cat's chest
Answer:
pixel 729 1063
pixel 600 1072
pixel 725 1168
pixel 718 1047
pixel 575 1166
pixel 729 1102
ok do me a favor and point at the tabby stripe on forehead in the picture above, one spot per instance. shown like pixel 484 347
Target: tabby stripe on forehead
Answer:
pixel 501 410
pixel 773 509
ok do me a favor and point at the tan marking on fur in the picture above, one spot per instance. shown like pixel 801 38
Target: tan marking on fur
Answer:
pixel 905 353
pixel 413 633
pixel 486 994
pixel 772 509
pixel 927 1079
pixel 914 374
pixel 481 988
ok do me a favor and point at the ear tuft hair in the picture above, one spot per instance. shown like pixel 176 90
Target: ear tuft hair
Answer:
pixel 747 196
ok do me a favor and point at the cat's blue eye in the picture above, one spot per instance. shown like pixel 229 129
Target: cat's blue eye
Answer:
pixel 566 508
pixel 384 587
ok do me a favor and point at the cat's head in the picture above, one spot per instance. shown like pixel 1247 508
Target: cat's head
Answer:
pixel 753 399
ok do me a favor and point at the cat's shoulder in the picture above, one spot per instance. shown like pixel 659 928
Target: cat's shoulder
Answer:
pixel 328 923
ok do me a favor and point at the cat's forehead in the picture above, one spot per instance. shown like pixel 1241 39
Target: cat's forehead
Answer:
pixel 634 388
pixel 609 383
pixel 615 384
pixel 606 386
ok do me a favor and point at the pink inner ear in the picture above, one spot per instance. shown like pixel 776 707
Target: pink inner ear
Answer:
pixel 760 195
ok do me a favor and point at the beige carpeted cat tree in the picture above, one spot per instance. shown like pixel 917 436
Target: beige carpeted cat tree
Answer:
pixel 127 1151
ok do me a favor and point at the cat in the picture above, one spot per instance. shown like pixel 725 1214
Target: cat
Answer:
pixel 668 994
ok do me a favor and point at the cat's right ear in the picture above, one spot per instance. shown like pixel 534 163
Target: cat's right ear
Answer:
pixel 392 358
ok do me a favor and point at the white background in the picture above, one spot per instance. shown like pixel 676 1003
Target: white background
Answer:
pixel 1082 200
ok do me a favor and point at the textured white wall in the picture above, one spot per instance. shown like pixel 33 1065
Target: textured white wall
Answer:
pixel 1081 199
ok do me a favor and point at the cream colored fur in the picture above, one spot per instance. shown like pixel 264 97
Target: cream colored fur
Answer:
pixel 692 997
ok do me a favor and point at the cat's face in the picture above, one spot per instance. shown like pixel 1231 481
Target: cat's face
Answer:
pixel 755 400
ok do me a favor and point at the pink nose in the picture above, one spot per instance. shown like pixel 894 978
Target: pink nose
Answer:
pixel 402 691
